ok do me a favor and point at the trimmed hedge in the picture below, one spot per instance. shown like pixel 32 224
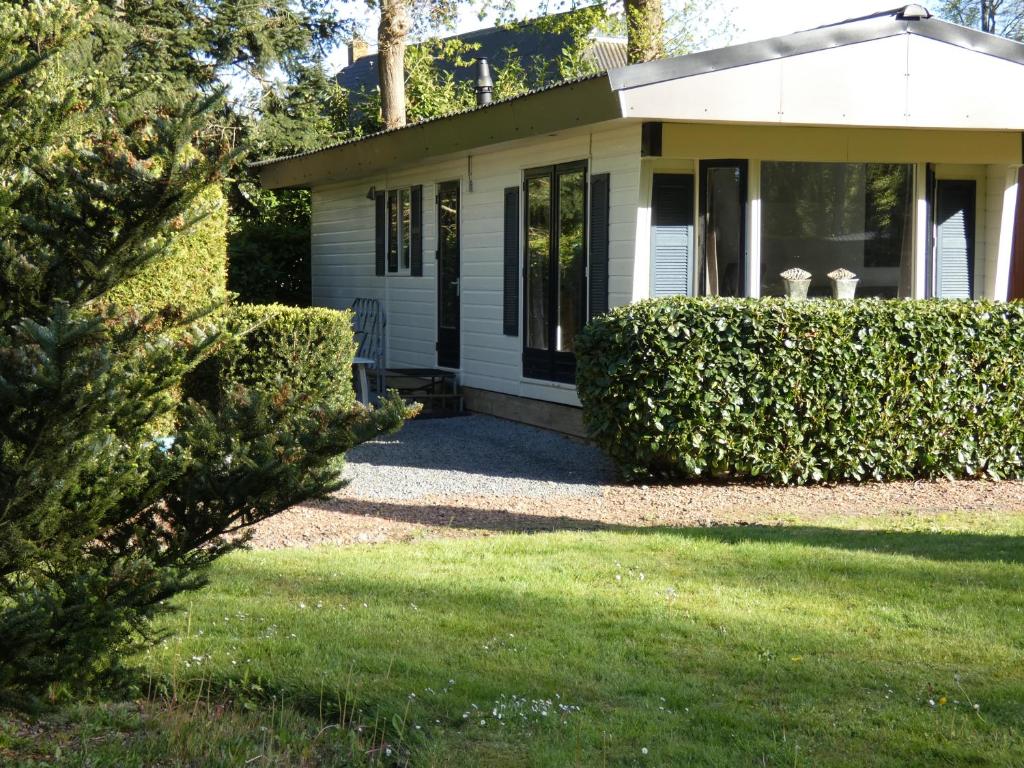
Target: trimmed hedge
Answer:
pixel 303 353
pixel 799 392
pixel 193 275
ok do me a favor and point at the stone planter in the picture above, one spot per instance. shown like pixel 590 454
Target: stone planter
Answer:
pixel 844 283
pixel 795 283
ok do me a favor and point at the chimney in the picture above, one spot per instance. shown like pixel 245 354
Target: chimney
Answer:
pixel 484 83
pixel 357 49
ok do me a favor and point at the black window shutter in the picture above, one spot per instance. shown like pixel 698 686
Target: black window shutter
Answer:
pixel 599 208
pixel 416 200
pixel 381 223
pixel 511 297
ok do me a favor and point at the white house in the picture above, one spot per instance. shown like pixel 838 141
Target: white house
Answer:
pixel 889 145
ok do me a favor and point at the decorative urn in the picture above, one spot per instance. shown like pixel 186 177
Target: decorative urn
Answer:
pixel 844 283
pixel 796 281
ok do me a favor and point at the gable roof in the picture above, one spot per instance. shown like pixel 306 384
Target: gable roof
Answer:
pixel 524 41
pixel 900 68
pixel 601 98
pixel 876 26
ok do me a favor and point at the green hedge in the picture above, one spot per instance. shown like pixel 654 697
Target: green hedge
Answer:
pixel 798 392
pixel 304 353
pixel 192 276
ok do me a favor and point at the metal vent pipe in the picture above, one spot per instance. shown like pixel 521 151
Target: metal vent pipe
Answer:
pixel 484 83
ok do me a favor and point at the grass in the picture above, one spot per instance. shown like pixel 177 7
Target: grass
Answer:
pixel 873 642
pixel 161 733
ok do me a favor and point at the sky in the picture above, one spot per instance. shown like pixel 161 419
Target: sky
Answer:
pixel 752 19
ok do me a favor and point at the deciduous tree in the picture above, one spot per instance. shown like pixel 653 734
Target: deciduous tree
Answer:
pixel 997 17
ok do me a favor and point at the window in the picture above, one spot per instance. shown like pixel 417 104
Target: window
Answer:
pixel 723 209
pixel 399 230
pixel 823 216
pixel 555 276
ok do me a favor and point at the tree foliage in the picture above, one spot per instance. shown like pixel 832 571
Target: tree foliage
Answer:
pixel 997 17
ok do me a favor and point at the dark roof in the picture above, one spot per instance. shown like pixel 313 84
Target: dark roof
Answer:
pixel 859 30
pixel 429 120
pixel 524 41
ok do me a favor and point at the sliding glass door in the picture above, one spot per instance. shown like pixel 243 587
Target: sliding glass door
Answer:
pixel 555 279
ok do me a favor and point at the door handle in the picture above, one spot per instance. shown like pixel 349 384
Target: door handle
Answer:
pixel 458 286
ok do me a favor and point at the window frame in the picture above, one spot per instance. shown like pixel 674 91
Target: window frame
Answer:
pixel 403 238
pixel 551 364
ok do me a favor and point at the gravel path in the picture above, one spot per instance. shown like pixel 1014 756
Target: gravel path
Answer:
pixel 476 475
pixel 475 456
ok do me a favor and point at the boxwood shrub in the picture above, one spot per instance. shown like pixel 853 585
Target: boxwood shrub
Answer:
pixel 798 392
pixel 303 353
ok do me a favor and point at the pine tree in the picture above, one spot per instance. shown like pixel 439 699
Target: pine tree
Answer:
pixel 100 521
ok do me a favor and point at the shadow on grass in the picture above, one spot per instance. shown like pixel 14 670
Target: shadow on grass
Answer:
pixel 943 546
pixel 497 520
pixel 951 546
pixel 707 660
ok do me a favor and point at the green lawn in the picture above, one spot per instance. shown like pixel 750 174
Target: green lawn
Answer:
pixel 796 645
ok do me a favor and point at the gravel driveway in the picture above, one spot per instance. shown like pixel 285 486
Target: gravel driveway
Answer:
pixel 477 475
pixel 475 456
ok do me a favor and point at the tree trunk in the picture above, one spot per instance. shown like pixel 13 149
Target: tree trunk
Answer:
pixel 395 23
pixel 644 30
pixel 988 15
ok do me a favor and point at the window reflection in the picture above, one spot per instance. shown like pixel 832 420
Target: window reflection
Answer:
pixel 725 220
pixel 538 249
pixel 405 233
pixel 449 245
pixel 571 257
pixel 823 216
pixel 393 231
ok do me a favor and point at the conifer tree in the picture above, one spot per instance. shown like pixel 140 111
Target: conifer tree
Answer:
pixel 100 521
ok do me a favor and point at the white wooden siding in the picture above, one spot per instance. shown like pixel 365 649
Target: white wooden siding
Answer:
pixel 343 251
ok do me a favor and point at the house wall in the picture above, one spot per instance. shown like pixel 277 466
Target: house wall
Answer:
pixel 343 251
pixel 1000 216
pixel 343 237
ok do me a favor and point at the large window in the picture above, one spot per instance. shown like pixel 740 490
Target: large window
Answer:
pixel 556 261
pixel 822 216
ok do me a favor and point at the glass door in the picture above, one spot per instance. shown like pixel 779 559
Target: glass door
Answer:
pixel 555 282
pixel 448 275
